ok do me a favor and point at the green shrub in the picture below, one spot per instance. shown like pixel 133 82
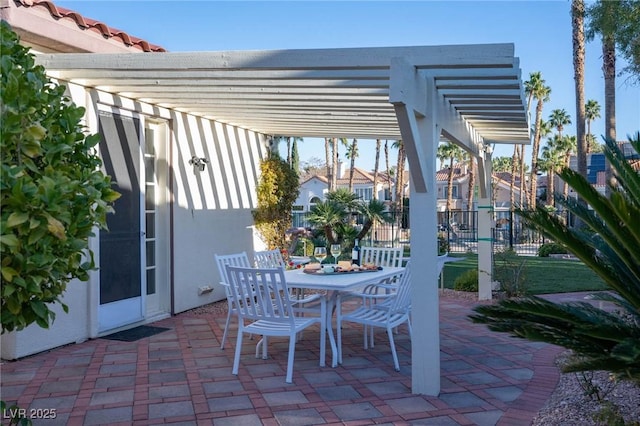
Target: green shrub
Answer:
pixel 551 248
pixel 467 281
pixel 53 194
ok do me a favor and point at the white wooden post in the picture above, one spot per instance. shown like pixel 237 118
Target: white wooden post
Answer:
pixel 414 99
pixel 485 227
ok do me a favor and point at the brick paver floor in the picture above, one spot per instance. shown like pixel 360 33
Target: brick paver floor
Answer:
pixel 181 376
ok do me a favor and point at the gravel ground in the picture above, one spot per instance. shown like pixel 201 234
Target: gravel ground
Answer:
pixel 569 404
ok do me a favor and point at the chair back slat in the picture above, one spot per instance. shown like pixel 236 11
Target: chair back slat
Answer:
pixel 269 259
pixel 235 259
pixel 268 291
pixel 402 300
pixel 382 256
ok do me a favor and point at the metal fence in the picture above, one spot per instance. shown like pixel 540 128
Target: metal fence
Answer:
pixel 457 230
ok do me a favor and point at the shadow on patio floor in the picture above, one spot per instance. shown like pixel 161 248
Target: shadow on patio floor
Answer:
pixel 181 376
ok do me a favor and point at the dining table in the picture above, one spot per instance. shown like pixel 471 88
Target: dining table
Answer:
pixel 334 283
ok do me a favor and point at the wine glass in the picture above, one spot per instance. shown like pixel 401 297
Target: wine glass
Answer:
pixel 335 252
pixel 320 253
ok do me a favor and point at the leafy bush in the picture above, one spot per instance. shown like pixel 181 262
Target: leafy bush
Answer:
pixel 609 244
pixel 551 248
pixel 277 191
pixel 467 281
pixel 53 194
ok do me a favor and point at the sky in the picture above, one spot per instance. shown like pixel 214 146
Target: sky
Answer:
pixel 540 31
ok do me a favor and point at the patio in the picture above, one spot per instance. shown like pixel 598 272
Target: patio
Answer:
pixel 181 376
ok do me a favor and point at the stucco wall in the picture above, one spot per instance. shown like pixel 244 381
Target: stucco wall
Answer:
pixel 211 214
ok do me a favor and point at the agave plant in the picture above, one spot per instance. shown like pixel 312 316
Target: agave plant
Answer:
pixel 608 242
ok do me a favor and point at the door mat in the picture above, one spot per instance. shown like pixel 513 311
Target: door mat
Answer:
pixel 135 333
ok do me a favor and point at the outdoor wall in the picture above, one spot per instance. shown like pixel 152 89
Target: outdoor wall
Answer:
pixel 211 214
pixel 212 209
pixel 67 328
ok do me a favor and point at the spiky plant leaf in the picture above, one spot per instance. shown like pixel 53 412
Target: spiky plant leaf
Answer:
pixel 609 244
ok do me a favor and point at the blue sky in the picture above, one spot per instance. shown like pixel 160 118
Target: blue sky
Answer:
pixel 540 31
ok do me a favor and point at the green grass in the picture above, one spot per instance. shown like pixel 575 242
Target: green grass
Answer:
pixel 542 274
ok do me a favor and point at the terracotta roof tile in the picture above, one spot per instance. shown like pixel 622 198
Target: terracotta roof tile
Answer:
pixel 91 24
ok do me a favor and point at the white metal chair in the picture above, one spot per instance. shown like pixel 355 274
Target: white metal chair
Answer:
pixel 270 312
pixel 269 259
pixel 381 256
pixel 396 311
pixel 236 259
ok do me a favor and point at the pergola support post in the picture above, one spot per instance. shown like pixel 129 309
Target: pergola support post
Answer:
pixel 485 227
pixel 413 97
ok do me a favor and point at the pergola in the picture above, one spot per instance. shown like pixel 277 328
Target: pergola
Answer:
pixel 471 95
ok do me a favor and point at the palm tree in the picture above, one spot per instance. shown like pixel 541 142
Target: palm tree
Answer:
pixel 472 183
pixel 453 153
pixel 375 169
pixel 501 164
pixel 402 158
pixel 386 159
pixel 373 212
pixel 334 162
pixel 328 162
pixel 577 35
pixel 551 160
pixel 534 88
pixel 352 154
pixel 558 119
pixel 591 112
pixel 600 339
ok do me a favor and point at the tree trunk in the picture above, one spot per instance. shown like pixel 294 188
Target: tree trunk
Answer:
pixel 609 70
pixel 354 149
pixel 328 162
pixel 334 157
pixel 534 157
pixel 512 184
pixel 386 159
pixel 450 186
pixel 375 169
pixel 577 19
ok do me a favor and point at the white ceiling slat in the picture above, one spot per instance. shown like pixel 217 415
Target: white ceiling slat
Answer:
pixel 312 92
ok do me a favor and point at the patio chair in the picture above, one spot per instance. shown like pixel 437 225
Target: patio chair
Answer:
pixel 269 259
pixel 236 259
pixel 273 259
pixel 396 311
pixel 270 311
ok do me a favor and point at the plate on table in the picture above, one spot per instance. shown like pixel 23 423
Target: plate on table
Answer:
pixel 340 271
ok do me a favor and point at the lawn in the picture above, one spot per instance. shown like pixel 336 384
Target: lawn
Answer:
pixel 542 274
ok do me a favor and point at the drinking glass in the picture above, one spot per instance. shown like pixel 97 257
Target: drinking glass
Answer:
pixel 335 252
pixel 320 253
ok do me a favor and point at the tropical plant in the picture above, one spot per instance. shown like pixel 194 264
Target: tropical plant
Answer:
pixel 591 112
pixel 536 87
pixel 352 154
pixel 52 193
pixel 335 216
pixel 558 119
pixel 277 191
pixel 609 244
pixel 551 161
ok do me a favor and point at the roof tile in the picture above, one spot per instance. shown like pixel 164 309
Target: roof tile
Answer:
pixel 91 24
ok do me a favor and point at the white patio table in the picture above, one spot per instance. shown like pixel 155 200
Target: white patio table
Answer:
pixel 334 283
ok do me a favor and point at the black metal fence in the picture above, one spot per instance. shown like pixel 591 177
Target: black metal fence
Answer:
pixel 457 232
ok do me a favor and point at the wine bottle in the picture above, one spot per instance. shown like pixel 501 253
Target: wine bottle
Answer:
pixel 355 253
